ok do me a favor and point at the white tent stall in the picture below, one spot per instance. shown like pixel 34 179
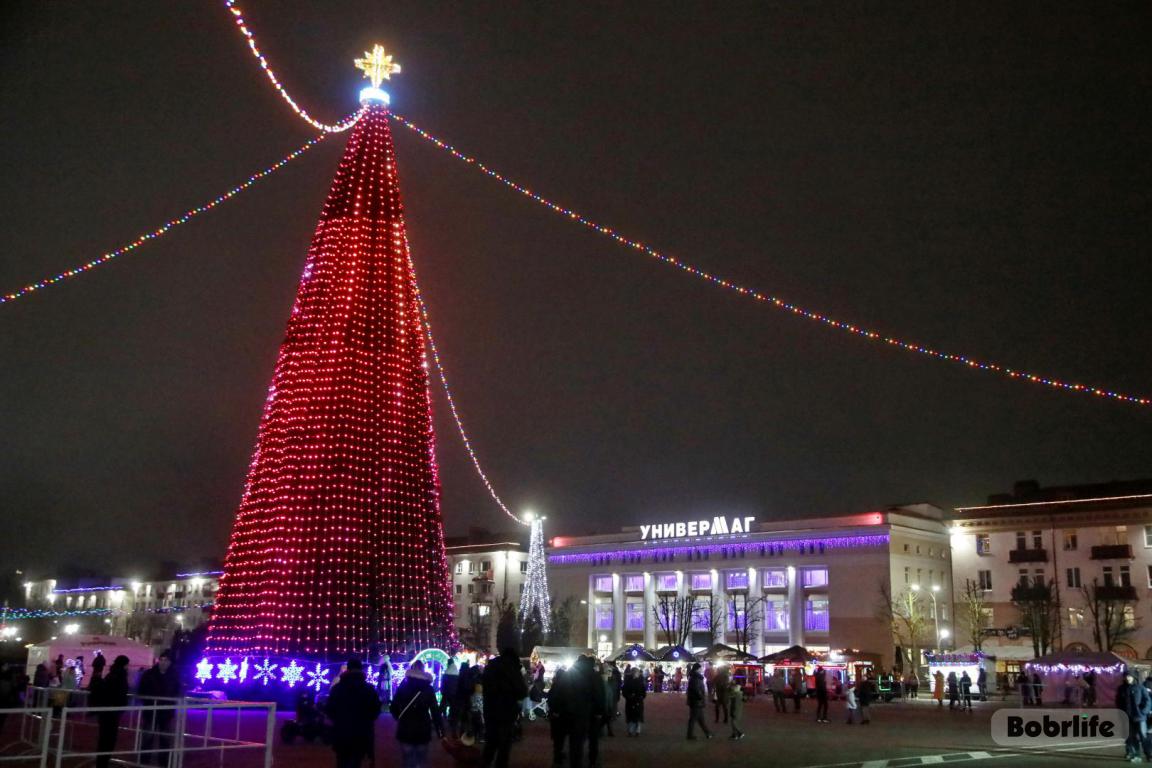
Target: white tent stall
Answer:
pixel 1058 672
pixel 140 656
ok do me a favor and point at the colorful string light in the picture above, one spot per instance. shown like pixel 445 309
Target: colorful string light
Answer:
pixel 338 543
pixel 743 549
pixel 163 228
pixel 773 301
pixel 343 125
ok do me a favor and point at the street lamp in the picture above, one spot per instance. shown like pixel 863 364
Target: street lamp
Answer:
pixel 935 615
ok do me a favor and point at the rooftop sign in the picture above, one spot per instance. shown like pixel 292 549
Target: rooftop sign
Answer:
pixel 717 526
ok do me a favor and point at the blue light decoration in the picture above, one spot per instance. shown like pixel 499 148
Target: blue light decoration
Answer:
pixel 248 675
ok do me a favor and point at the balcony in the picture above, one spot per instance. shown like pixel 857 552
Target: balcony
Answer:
pixel 1115 592
pixel 1112 552
pixel 1028 556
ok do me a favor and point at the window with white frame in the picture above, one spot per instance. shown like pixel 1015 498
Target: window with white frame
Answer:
pixel 602 583
pixel 816 614
pixel 1021 540
pixel 1073 575
pixel 1037 540
pixel 1150 576
pixel 985 579
pixel 1038 577
pixel 1070 541
pixel 634 582
pixel 775 578
pixel 814 577
pixel 1022 577
pixel 1148 536
pixel 983 543
pixel 701 581
pixel 460 567
pixel 1125 576
pixel 485 565
pixel 1109 576
pixel 523 566
pixel 776 615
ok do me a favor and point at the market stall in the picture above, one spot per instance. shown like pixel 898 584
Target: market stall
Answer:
pixel 140 656
pixel 960 662
pixel 632 654
pixel 674 662
pixel 555 657
pixel 1078 677
pixel 745 670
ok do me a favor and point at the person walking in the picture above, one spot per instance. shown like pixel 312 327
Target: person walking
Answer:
pixel 776 688
pixel 982 683
pixel 821 696
pixel 353 706
pixel 953 691
pixel 113 692
pixel 850 702
pixel 556 722
pixel 634 693
pixel 462 702
pixel 696 699
pixel 1135 701
pixel 735 711
pixel 966 691
pixel 798 686
pixel 449 684
pixel 158 686
pixel 1037 689
pixel 504 689
pixel 721 682
pixel 866 695
pixel 658 673
pixel 579 700
pixel 1025 687
pixel 417 715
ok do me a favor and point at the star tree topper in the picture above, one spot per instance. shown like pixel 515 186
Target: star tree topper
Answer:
pixel 377 66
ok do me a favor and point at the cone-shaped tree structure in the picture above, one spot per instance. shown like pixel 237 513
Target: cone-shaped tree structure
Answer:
pixel 338 545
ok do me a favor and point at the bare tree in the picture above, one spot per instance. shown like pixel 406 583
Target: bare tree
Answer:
pixel 909 617
pixel 561 625
pixel 1039 612
pixel 1108 607
pixel 674 617
pixel 974 612
pixel 747 616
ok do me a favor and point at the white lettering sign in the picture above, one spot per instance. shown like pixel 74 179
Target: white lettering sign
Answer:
pixel 717 526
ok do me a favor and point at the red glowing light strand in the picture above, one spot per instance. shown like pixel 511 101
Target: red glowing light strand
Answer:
pixel 343 125
pixel 456 415
pixel 163 228
pixel 773 301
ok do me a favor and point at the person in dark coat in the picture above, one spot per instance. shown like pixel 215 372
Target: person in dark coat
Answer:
pixel 504 689
pixel 417 715
pixel 697 700
pixel 953 690
pixel 556 725
pixel 353 706
pixel 966 690
pixel 462 703
pixel 821 695
pixel 1134 700
pixel 580 704
pixel 449 685
pixel 113 692
pixel 157 686
pixel 720 685
pixel 634 692
pixel 40 676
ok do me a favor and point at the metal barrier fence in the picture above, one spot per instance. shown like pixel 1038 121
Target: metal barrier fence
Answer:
pixel 56 729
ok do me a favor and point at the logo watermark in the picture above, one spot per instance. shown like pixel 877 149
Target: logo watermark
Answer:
pixel 1055 727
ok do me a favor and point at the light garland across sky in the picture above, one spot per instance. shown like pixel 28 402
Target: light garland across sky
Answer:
pixel 163 228
pixel 343 125
pixel 773 301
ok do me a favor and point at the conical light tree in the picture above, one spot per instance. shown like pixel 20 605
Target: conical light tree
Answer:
pixel 338 544
pixel 535 596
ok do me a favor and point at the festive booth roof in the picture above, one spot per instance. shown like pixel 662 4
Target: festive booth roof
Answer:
pixel 956 659
pixel 795 656
pixel 721 652
pixel 1078 661
pixel 634 652
pixel 673 653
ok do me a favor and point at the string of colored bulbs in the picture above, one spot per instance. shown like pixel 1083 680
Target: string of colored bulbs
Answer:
pixel 163 228
pixel 773 301
pixel 343 125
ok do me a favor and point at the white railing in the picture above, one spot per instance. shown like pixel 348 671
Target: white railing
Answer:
pixel 58 727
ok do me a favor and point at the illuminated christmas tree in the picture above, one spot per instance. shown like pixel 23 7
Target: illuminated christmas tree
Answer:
pixel 338 545
pixel 535 598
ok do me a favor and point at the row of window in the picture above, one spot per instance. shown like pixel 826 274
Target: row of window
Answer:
pixel 932 580
pixel 771 578
pixel 485 566
pixel 1077 617
pixel 1116 535
pixel 775 618
pixel 486 588
pixel 1112 576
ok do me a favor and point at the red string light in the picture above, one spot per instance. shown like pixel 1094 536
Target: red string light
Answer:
pixel 338 544
pixel 773 301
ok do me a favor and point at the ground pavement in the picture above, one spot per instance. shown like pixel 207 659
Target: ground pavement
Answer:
pixel 901 735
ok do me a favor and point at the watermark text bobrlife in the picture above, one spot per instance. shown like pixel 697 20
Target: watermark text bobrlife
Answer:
pixel 1054 727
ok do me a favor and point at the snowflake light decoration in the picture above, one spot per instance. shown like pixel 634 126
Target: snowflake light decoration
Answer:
pixel 227 671
pixel 372 675
pixel 319 678
pixel 292 674
pixel 204 670
pixel 264 672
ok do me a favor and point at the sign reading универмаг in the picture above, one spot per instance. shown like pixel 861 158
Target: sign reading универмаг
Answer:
pixel 717 526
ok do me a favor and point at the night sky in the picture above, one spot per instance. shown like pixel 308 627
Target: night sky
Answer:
pixel 972 177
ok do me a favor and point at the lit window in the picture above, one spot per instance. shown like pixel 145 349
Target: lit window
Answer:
pixel 1076 618
pixel 776 615
pixel 667 582
pixel 736 580
pixel 983 543
pixel 603 584
pixel 816 614
pixel 483 610
pixel 1129 616
pixel 701 581
pixel 775 578
pixel 1070 541
pixel 815 577
pixel 701 616
pixel 459 567
pixel 604 616
pixel 634 582
pixel 634 616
